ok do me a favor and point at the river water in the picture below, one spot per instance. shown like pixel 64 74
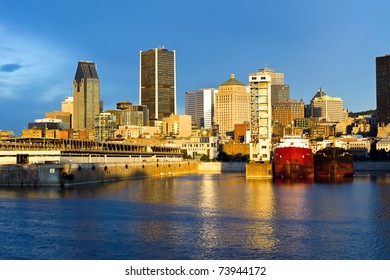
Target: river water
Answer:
pixel 223 216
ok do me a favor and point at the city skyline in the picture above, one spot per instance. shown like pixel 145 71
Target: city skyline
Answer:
pixel 331 45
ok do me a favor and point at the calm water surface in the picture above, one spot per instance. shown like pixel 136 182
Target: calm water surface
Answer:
pixel 199 217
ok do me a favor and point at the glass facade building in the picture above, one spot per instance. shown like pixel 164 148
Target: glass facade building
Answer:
pixel 200 106
pixel 158 82
pixel 383 89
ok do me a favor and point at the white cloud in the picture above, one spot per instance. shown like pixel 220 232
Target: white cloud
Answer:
pixel 32 68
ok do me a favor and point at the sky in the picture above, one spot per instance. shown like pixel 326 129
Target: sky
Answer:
pixel 330 44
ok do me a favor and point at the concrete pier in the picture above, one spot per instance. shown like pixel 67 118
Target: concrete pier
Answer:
pixel 261 170
pixel 67 175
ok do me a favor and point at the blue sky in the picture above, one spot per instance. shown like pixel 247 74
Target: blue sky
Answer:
pixel 330 44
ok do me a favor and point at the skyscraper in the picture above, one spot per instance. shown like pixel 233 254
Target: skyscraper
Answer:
pixel 327 107
pixel 232 105
pixel 383 89
pixel 158 82
pixel 279 91
pixel 86 96
pixel 200 106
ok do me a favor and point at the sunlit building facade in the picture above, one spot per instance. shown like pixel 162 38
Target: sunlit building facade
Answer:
pixel 279 91
pixel 177 125
pixel 86 96
pixel 105 126
pixel 158 82
pixel 327 107
pixel 232 105
pixel 284 113
pixel 200 106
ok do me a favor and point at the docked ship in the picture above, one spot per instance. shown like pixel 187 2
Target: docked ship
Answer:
pixel 333 162
pixel 293 159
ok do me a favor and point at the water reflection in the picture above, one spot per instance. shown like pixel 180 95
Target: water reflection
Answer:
pixel 261 208
pixel 334 180
pixel 29 192
pixel 383 180
pixel 308 182
pixel 201 217
pixel 161 190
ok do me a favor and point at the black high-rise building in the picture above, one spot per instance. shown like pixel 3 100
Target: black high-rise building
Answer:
pixel 383 89
pixel 158 82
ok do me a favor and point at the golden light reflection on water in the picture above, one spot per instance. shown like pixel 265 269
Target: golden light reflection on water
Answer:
pixel 220 205
pixel 29 192
pixel 384 180
pixel 230 201
pixel 207 214
pixel 159 190
pixel 261 208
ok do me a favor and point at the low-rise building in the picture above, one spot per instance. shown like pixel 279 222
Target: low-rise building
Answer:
pixel 360 148
pixel 5 134
pixel 128 131
pixel 383 144
pixel 65 117
pixel 242 133
pixel 233 148
pixel 48 123
pixel 151 131
pixel 197 146
pixel 32 133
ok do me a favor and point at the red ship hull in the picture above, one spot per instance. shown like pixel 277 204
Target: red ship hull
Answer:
pixel 293 163
pixel 333 162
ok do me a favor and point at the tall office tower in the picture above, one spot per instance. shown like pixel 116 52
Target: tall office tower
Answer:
pixel 327 107
pixel 232 105
pixel 158 82
pixel 200 106
pixel 383 89
pixel 86 96
pixel 279 91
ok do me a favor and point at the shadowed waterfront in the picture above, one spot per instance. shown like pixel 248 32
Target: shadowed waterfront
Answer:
pixel 199 217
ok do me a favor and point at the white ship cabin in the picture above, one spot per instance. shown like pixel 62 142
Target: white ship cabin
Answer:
pixel 293 141
pixel 331 143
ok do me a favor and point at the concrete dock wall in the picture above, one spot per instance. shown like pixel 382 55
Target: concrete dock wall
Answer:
pixel 371 166
pixel 71 174
pixel 260 170
pixel 66 175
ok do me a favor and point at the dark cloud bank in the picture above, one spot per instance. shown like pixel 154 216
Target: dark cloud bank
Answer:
pixel 10 67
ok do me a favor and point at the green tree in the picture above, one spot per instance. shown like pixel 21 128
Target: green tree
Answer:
pixel 224 157
pixel 204 158
pixel 185 154
pixel 237 157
